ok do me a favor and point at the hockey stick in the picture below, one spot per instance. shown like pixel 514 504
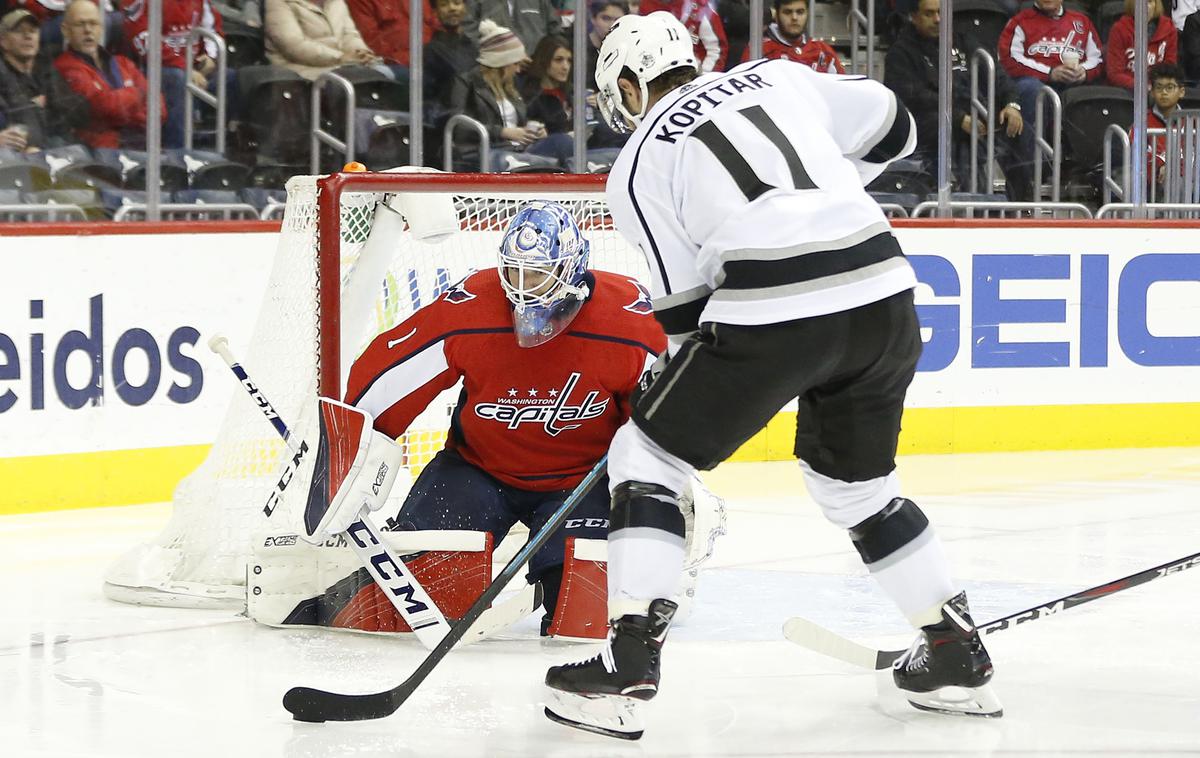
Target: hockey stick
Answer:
pixel 818 638
pixel 417 609
pixel 310 704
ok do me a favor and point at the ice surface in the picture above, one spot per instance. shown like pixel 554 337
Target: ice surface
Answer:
pixel 84 676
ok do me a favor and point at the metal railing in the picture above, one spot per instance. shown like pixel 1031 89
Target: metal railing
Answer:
pixel 485 142
pixel 193 211
pixel 859 23
pixel 192 91
pixel 994 209
pixel 1042 148
pixel 1182 181
pixel 985 112
pixel 1110 187
pixel 1157 210
pixel 50 210
pixel 892 210
pixel 321 137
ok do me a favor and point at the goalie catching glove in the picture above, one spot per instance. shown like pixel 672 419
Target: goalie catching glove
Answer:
pixel 342 467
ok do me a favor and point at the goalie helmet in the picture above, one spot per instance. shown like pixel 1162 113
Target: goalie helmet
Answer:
pixel 648 46
pixel 543 269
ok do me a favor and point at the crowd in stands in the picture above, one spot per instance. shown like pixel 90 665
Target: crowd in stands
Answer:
pixel 73 76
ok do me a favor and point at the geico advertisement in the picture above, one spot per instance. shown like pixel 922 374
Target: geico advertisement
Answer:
pixel 1056 315
pixel 103 339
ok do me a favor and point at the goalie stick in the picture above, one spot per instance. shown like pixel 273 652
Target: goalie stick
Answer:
pixel 416 608
pixel 819 639
pixel 314 705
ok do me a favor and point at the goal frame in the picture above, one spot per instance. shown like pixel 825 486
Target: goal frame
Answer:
pixel 329 226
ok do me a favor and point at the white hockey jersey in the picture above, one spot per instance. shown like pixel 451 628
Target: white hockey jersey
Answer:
pixel 745 192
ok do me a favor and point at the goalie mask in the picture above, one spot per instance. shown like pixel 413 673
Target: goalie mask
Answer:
pixel 543 269
pixel 648 46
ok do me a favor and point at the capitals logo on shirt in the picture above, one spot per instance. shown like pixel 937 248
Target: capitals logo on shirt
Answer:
pixel 551 410
pixel 642 305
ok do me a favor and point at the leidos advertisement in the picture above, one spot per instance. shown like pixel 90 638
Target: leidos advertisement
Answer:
pixel 102 338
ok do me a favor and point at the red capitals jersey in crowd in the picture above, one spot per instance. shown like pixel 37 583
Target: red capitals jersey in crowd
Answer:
pixel 537 418
pixel 179 18
pixel 703 23
pixel 814 53
pixel 1033 43
pixel 1162 46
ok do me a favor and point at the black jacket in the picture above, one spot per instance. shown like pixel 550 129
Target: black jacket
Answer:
pixel 910 70
pixel 49 126
pixel 447 55
pixel 471 96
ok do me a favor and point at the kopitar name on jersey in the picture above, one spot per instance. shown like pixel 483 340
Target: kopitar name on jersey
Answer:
pixel 548 411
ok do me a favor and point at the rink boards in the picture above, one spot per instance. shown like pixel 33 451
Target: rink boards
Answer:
pixel 1038 336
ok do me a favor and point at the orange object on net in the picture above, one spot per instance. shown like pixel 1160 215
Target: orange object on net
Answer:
pixel 354 166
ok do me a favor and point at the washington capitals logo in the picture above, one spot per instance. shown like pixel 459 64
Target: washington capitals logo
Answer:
pixel 458 293
pixel 550 412
pixel 642 305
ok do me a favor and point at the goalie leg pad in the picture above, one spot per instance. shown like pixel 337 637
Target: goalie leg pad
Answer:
pixel 582 608
pixel 291 583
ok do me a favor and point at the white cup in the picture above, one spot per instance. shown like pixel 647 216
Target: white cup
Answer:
pixel 1070 58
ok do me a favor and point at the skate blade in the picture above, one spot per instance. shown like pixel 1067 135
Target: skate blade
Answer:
pixel 958 701
pixel 610 715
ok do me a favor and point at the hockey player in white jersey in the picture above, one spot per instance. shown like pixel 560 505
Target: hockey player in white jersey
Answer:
pixel 775 276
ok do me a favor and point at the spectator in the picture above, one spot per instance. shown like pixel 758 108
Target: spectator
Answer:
pixel 384 26
pixel 241 17
pixel 735 18
pixel 50 17
pixel 604 13
pixel 1047 45
pixel 1162 43
pixel 529 20
pixel 787 38
pixel 1166 88
pixel 449 52
pixel 1189 44
pixel 911 71
pixel 546 85
pixel 180 17
pixel 703 23
pixel 112 84
pixel 40 110
pixel 311 37
pixel 489 95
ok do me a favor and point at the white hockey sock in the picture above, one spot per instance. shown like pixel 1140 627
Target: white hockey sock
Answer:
pixel 917 579
pixel 644 564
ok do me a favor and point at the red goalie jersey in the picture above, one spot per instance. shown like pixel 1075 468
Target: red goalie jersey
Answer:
pixel 535 418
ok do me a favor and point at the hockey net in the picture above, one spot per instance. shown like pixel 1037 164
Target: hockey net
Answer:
pixel 357 254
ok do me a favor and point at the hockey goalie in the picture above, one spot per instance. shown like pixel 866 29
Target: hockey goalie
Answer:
pixel 549 355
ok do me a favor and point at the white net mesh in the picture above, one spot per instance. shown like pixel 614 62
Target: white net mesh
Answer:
pixel 200 557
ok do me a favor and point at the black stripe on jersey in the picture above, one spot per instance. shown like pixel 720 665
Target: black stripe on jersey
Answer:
pixel 662 269
pixel 728 156
pixel 610 338
pixel 440 338
pixel 892 144
pixel 757 274
pixel 757 116
pixel 683 318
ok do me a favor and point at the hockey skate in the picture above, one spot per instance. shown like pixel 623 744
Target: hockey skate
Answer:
pixel 947 669
pixel 601 694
